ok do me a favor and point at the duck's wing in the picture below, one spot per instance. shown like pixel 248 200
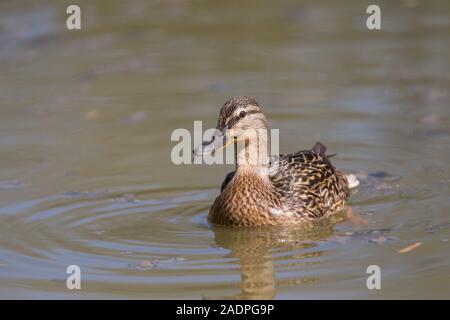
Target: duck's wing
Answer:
pixel 308 182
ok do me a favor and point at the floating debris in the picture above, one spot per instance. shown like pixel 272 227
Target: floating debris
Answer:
pixel 145 265
pixel 378 240
pixel 410 247
pixel 179 259
pixel 130 198
pixel 154 263
pixel 377 236
pixel 381 239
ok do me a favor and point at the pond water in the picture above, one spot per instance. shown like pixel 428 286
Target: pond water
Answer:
pixel 85 122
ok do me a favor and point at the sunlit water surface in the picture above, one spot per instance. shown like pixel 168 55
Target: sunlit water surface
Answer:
pixel 85 171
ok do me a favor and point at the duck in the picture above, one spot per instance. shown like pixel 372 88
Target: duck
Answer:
pixel 266 190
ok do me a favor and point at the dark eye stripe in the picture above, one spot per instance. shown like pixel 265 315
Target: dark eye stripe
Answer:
pixel 233 121
pixel 236 119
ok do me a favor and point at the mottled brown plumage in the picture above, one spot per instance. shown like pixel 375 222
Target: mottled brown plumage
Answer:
pixel 299 187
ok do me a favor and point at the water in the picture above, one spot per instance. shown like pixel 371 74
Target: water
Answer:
pixel 85 124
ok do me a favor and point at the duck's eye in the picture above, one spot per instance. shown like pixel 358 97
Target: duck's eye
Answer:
pixel 242 114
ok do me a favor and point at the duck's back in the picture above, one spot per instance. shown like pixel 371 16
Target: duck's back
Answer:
pixel 308 183
pixel 304 186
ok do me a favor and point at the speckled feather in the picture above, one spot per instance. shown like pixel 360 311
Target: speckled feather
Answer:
pixel 305 187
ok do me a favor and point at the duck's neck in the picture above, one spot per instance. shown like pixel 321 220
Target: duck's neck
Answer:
pixel 253 156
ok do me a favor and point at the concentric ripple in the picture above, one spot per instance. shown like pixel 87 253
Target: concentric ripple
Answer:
pixel 152 242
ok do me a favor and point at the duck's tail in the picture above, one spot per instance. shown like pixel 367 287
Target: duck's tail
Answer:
pixel 320 149
pixel 353 182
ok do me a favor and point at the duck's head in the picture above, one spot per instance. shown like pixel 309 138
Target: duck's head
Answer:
pixel 240 119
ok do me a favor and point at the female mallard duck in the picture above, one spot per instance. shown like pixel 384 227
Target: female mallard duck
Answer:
pixel 299 187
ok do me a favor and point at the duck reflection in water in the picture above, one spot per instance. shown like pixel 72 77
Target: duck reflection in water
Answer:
pixel 260 251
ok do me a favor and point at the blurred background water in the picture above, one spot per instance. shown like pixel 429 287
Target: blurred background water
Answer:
pixel 85 124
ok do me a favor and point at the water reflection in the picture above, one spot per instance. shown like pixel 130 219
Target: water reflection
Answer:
pixel 260 251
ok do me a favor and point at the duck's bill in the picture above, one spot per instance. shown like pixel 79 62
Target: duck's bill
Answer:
pixel 218 142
